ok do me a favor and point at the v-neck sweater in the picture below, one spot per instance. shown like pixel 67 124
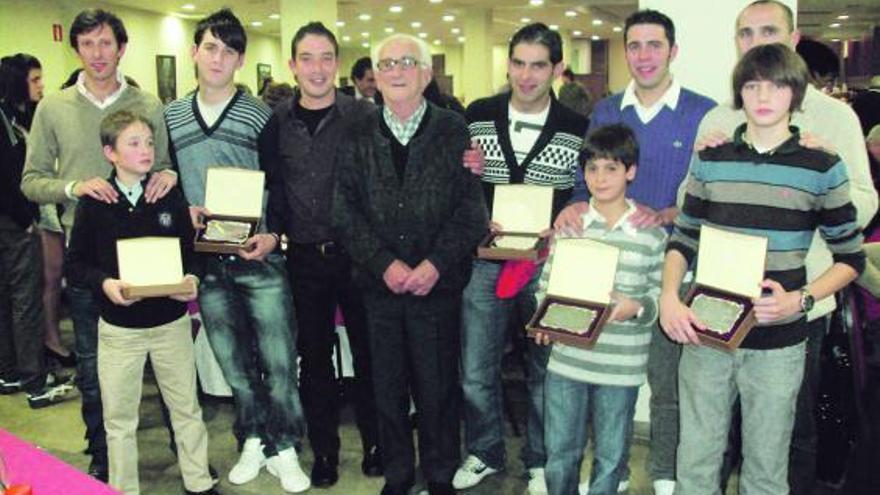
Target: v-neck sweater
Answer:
pixel 230 142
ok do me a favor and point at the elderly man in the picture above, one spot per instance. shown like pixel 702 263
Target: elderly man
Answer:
pixel 410 216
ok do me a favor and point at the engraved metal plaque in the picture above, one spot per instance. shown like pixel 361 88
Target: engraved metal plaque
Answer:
pixel 720 315
pixel 229 231
pixel 568 318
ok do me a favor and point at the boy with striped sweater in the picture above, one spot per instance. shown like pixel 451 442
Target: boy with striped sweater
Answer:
pixel 602 383
pixel 763 183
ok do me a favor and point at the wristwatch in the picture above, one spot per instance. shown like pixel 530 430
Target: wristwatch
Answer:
pixel 807 300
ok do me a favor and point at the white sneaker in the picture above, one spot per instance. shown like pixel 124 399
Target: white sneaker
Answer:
pixel 584 488
pixel 664 487
pixel 537 482
pixel 285 466
pixel 249 464
pixel 471 472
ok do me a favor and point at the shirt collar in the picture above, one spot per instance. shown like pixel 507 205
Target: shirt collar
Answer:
pixel 593 215
pixel 133 193
pixel 404 131
pixel 111 98
pixel 669 98
pixel 790 145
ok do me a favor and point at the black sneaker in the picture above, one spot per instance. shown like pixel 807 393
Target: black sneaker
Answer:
pixel 98 468
pixel 210 491
pixel 9 386
pixel 49 395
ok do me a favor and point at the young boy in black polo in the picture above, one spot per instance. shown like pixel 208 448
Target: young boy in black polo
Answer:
pixel 129 330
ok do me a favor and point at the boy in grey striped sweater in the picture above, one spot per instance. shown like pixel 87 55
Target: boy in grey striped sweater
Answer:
pixel 602 383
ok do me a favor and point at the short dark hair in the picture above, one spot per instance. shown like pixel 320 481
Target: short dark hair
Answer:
pixel 649 16
pixel 113 125
pixel 317 29
pixel 360 68
pixel 776 63
pixel 90 19
pixel 568 73
pixel 539 33
pixel 786 11
pixel 821 60
pixel 224 26
pixel 616 142
pixel 14 71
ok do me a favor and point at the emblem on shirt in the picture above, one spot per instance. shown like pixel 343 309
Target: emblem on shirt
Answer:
pixel 677 144
pixel 165 219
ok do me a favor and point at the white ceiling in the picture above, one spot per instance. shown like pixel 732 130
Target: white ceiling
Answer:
pixel 814 16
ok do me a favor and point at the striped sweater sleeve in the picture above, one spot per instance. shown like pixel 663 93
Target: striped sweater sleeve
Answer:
pixel 838 225
pixel 686 231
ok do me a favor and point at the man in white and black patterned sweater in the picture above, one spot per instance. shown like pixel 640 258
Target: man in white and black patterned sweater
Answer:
pixel 527 136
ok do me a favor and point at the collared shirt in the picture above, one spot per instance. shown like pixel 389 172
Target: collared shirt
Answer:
pixel 110 99
pixel 133 193
pixel 360 96
pixel 404 131
pixel 623 224
pixel 646 114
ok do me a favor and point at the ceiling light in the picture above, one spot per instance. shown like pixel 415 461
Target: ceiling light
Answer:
pixel 617 29
pixel 340 23
pixel 461 39
pixel 554 27
pixel 436 42
pixel 365 34
pixel 256 23
pixel 595 37
pixel 597 22
pixel 536 2
pixel 525 20
pixel 455 30
pixel 346 38
pixel 423 35
pixel 365 44
pixel 389 30
pixel 188 6
pixel 448 18
pixel 843 17
pixel 570 13
pixel 415 24
pixel 436 1
pixel 835 40
pixel 834 25
pixel 274 17
pixel 395 9
pixel 364 17
pixel 577 32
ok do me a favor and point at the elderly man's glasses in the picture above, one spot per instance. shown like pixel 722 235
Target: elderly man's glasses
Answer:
pixel 405 63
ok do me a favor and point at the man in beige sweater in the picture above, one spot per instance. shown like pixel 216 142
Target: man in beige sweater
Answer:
pixel 65 162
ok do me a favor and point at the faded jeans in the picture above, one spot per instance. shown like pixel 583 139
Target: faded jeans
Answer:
pixel 249 317
pixel 767 383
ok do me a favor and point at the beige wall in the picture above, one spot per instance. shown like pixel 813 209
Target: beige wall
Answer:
pixel 149 35
pixel 618 74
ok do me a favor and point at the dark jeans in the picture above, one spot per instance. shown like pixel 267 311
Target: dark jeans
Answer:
pixel 249 317
pixel 319 282
pixel 84 313
pixel 414 345
pixel 21 309
pixel 802 454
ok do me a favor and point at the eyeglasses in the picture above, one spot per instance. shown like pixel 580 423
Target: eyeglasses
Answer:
pixel 406 62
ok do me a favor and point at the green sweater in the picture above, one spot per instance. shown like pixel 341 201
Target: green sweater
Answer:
pixel 66 129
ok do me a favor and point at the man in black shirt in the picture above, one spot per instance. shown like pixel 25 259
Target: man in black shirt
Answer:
pixel 298 147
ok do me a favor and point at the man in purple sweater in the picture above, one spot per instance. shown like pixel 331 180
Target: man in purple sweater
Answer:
pixel 664 117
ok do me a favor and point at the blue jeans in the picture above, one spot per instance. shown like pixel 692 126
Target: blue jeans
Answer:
pixel 484 334
pixel 249 317
pixel 767 383
pixel 570 406
pixel 84 314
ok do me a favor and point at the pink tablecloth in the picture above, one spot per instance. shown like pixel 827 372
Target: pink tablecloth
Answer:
pixel 28 465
